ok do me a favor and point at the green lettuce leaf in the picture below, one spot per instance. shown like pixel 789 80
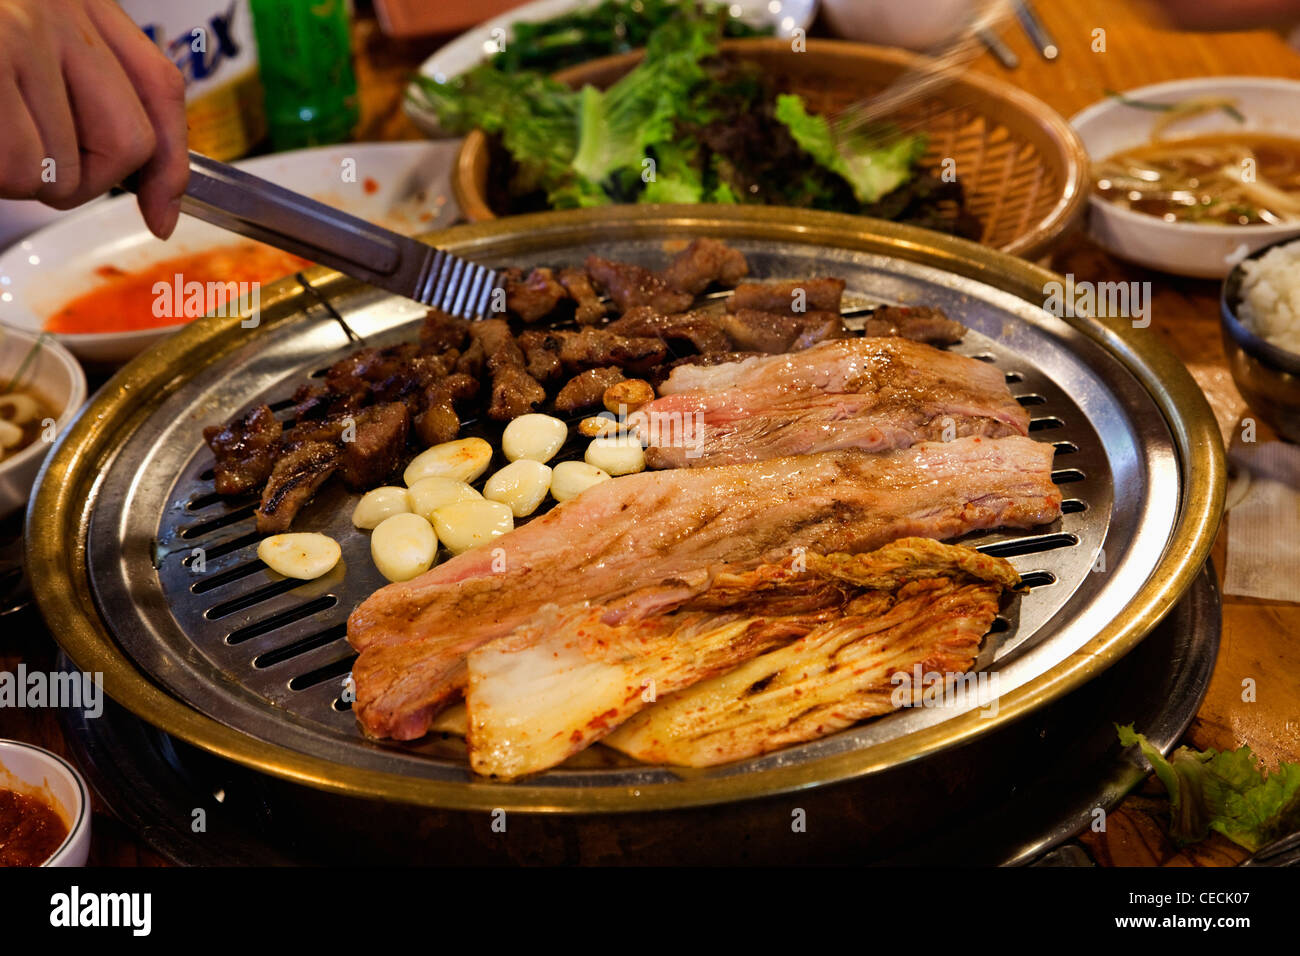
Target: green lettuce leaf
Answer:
pixel 676 178
pixel 1228 792
pixel 616 127
pixel 870 168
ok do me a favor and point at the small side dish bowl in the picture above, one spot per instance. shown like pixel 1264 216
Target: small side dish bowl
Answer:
pixel 46 776
pixel 1267 375
pixel 56 378
pixel 1184 248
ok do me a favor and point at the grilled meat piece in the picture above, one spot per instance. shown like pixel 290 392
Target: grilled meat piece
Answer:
pixel 542 349
pixel 442 332
pixel 298 472
pixel 750 330
pixel 311 401
pixel 873 394
pixel 630 285
pixel 702 330
pixel 514 391
pixel 557 684
pixel 377 447
pixel 794 297
pixel 643 529
pixel 702 263
pixel 245 449
pixel 533 297
pixel 585 390
pixel 596 348
pixel 919 323
pixel 931 618
pixel 439 421
pixel 588 309
pixel 472 360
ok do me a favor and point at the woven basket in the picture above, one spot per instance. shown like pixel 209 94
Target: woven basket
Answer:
pixel 1023 169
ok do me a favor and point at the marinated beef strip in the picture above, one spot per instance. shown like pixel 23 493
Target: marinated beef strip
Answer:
pixel 700 330
pixel 653 527
pixel 534 297
pixel 298 472
pixel 245 449
pixel 874 394
pixel 792 297
pixel 702 263
pixel 586 390
pixel 566 679
pixel 514 391
pixel 918 322
pixel 631 285
pixel 588 308
pixel 377 445
pixel 933 617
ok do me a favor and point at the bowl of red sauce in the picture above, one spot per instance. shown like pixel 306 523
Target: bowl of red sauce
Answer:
pixel 44 808
pixel 109 290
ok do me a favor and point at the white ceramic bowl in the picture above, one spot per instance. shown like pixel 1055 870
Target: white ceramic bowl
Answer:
pixel 404 186
pixel 57 378
pixel 1189 249
pixel 31 771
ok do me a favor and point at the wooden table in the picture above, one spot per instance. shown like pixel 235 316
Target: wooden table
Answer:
pixel 1261 640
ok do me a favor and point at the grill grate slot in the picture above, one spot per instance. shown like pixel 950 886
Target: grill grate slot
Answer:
pixel 1033 545
pixel 1031 399
pixel 252 598
pixel 1073 506
pixel 1037 579
pixel 211 582
pixel 222 521
pixel 1067 476
pixel 224 548
pixel 1045 423
pixel 300 647
pixel 321 674
pixel 277 621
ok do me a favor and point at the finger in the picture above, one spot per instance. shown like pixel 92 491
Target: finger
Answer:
pixel 41 84
pixel 20 159
pixel 161 89
pixel 113 131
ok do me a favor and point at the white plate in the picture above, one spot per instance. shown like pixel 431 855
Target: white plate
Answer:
pixel 473 46
pixel 1189 249
pixel 403 186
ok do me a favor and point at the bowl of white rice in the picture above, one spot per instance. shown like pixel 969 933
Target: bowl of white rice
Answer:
pixel 1261 334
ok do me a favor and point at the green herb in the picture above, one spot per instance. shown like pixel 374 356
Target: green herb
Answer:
pixel 873 166
pixel 1227 792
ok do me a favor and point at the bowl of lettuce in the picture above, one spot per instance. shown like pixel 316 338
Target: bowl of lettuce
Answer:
pixel 695 118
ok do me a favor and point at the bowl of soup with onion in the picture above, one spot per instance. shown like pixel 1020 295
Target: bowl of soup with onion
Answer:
pixel 42 388
pixel 1190 177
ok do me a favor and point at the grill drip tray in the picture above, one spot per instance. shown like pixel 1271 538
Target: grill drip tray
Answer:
pixel 1007 798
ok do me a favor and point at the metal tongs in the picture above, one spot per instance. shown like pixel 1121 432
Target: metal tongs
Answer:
pixel 251 206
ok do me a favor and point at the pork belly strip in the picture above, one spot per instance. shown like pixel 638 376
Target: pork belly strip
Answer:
pixel 563 681
pixel 838 674
pixel 639 530
pixel 868 393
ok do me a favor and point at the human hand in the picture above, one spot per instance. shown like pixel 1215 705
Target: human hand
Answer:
pixel 87 99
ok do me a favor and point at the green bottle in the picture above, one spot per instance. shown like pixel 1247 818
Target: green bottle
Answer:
pixel 305 54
